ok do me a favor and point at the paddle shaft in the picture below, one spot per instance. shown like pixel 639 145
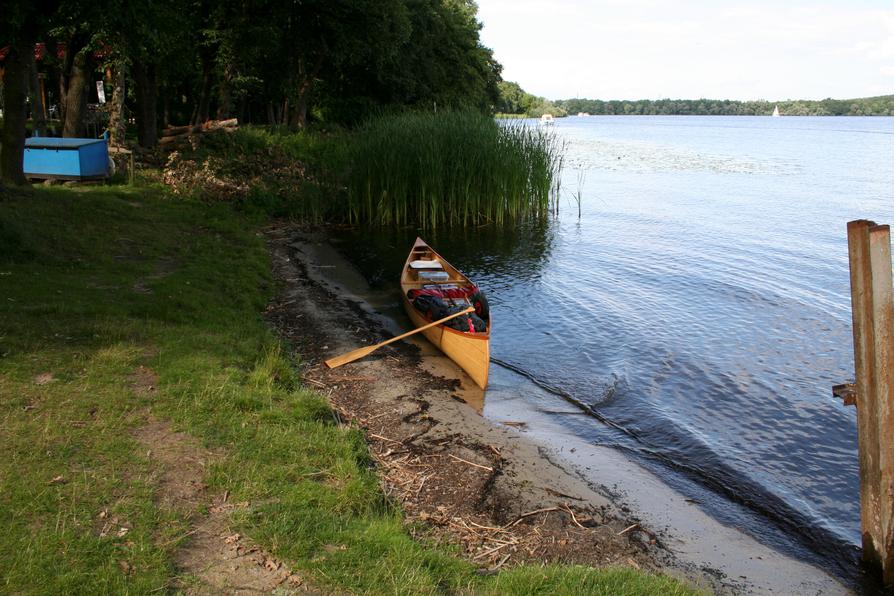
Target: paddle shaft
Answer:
pixel 361 352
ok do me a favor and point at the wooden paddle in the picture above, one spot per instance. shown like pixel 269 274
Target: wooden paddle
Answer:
pixel 361 352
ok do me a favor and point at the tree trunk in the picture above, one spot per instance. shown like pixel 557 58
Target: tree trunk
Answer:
pixel 76 100
pixel 117 123
pixel 225 107
pixel 15 90
pixel 203 113
pixel 271 114
pixel 244 111
pixel 306 79
pixel 146 98
pixel 62 72
pixel 298 118
pixel 302 111
pixel 38 107
pixel 166 107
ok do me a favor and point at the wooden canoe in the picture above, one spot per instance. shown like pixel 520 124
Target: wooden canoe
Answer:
pixel 470 350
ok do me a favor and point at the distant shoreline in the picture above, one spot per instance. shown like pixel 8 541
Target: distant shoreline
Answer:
pixel 501 116
pixel 514 100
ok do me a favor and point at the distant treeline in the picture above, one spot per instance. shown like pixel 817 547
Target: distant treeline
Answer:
pixel 864 106
pixel 515 100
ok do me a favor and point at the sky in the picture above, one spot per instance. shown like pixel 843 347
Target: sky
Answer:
pixel 690 49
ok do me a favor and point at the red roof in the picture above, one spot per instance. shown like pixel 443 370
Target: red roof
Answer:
pixel 40 51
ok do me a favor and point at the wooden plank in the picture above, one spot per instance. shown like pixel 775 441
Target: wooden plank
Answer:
pixel 864 363
pixel 883 323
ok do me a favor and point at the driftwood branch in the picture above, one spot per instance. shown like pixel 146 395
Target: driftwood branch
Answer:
pixel 465 461
pixel 529 514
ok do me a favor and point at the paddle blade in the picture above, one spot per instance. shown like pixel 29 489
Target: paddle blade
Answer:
pixel 351 356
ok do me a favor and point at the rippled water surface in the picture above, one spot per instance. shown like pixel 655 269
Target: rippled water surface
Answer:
pixel 700 304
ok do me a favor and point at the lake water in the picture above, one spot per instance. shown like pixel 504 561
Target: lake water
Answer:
pixel 698 311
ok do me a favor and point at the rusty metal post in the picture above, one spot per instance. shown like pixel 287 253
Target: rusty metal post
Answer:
pixel 872 300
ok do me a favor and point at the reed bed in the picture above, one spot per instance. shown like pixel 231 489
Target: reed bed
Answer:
pixel 450 168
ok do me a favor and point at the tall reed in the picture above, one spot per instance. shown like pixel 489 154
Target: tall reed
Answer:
pixel 450 168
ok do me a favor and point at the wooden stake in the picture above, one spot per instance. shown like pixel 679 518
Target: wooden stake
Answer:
pixel 883 321
pixel 872 301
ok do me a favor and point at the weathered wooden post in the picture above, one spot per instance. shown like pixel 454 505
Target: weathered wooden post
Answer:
pixel 872 301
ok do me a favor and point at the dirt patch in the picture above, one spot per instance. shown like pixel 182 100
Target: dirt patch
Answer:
pixel 143 380
pixel 180 463
pixel 44 378
pixel 218 560
pixel 459 478
pixel 214 559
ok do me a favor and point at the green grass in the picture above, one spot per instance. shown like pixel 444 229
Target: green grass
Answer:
pixel 450 168
pixel 576 579
pixel 96 283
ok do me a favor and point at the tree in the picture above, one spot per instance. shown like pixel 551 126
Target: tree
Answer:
pixel 444 61
pixel 15 91
pixel 23 21
pixel 324 40
pixel 430 57
pixel 146 35
pixel 80 26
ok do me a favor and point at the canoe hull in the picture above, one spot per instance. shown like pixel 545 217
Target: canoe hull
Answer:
pixel 471 351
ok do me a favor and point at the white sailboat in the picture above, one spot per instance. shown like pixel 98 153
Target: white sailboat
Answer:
pixel 776 112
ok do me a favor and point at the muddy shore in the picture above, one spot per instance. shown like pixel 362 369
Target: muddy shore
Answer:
pixel 493 484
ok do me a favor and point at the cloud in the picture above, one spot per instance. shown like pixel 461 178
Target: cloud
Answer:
pixel 690 48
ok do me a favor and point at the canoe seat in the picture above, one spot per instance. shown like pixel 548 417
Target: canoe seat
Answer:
pixel 423 264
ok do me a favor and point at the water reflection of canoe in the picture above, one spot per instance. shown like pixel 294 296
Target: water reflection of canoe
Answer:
pixel 426 269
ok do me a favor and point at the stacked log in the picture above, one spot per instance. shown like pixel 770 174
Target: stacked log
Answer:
pixel 177 135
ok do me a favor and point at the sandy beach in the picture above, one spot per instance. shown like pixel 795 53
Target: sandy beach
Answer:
pixel 492 484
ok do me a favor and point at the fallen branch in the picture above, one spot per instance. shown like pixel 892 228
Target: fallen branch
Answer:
pixel 173 134
pixel 212 124
pixel 571 513
pixel 624 531
pixel 465 461
pixel 491 528
pixel 500 564
pixel 490 551
pixel 421 484
pixel 529 514
pixel 380 437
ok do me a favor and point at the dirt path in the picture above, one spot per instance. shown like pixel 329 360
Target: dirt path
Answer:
pixel 214 558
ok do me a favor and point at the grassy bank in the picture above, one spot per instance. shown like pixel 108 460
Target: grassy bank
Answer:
pixel 425 169
pixel 119 307
pixel 452 168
